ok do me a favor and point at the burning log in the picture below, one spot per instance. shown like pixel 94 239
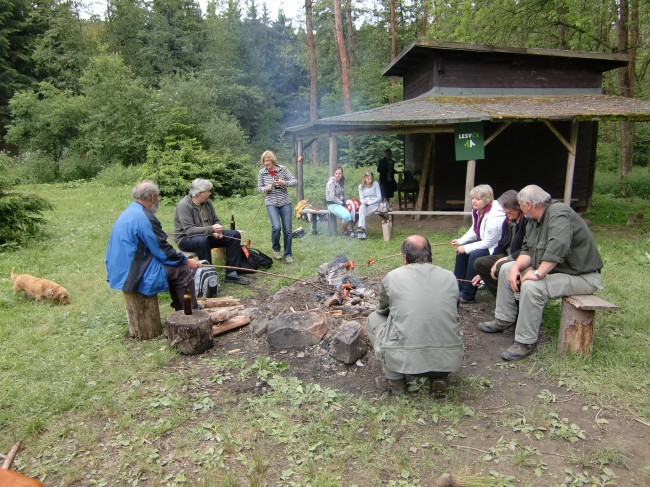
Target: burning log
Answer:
pixel 235 322
pixel 218 302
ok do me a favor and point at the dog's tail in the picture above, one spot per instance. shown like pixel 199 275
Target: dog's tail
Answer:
pixel 13 275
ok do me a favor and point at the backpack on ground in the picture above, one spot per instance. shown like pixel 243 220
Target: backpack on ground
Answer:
pixel 256 258
pixel 206 281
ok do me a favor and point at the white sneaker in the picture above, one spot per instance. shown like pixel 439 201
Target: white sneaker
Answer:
pixel 288 259
pixel 277 255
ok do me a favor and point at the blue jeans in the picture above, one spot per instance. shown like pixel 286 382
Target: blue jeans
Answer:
pixel 464 269
pixel 276 214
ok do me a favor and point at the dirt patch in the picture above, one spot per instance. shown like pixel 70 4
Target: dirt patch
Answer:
pixel 503 395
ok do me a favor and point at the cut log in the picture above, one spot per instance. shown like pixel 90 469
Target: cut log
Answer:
pixel 577 322
pixel 219 302
pixel 189 334
pixel 223 314
pixel 236 322
pixel 143 315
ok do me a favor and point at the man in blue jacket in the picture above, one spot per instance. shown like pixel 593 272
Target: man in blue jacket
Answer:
pixel 139 259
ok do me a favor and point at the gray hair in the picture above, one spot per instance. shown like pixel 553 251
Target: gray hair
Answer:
pixel 416 249
pixel 199 186
pixel 508 200
pixel 145 190
pixel 534 195
pixel 483 191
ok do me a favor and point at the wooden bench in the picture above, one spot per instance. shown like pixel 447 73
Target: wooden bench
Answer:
pixel 390 214
pixel 577 322
pixel 331 220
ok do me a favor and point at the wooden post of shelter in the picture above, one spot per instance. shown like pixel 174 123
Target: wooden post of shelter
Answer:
pixel 571 159
pixel 425 176
pixel 300 191
pixel 469 184
pixel 333 162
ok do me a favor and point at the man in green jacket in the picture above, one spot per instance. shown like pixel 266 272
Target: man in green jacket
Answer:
pixel 414 330
pixel 559 258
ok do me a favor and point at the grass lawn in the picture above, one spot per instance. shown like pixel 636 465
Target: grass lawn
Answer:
pixel 95 408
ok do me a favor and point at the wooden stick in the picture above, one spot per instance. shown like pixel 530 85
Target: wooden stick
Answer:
pixel 329 288
pixel 9 459
pixel 236 322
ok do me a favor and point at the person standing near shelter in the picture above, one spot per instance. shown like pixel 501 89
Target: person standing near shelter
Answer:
pixel 479 240
pixel 197 229
pixel 559 258
pixel 387 183
pixel 139 259
pixel 415 329
pixel 273 180
pixel 335 200
pixel 507 250
pixel 369 199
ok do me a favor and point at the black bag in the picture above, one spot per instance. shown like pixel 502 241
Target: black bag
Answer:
pixel 256 258
pixel 206 281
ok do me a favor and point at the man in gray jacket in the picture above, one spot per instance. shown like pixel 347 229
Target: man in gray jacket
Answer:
pixel 414 330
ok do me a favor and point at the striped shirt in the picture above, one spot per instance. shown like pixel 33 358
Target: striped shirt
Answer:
pixel 275 196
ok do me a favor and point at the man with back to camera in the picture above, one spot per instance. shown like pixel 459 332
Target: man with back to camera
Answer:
pixel 197 228
pixel 415 330
pixel 139 259
pixel 559 258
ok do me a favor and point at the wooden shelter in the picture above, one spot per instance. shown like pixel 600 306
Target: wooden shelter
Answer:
pixel 539 109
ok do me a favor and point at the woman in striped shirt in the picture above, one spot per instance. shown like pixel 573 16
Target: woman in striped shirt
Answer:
pixel 273 180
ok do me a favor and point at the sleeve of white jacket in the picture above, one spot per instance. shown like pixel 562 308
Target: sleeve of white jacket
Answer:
pixel 469 236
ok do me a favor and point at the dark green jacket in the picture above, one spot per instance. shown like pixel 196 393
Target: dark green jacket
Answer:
pixel 561 236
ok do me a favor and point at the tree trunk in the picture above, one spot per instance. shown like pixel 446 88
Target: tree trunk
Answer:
pixel 343 57
pixel 425 17
pixel 350 27
pixel 313 78
pixel 393 42
pixel 625 82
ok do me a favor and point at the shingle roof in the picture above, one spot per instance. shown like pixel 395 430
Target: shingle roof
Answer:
pixel 429 113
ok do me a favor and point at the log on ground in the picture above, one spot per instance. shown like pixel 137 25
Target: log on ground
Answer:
pixel 235 322
pixel 222 314
pixel 218 302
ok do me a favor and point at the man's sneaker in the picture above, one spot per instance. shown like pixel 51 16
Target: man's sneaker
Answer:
pixel 462 300
pixel 277 255
pixel 517 351
pixel 288 259
pixel 237 279
pixel 394 386
pixel 495 325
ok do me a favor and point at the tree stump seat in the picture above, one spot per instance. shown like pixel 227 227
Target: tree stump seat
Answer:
pixel 577 321
pixel 143 315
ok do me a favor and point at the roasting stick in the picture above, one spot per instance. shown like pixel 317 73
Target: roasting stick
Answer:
pixel 328 289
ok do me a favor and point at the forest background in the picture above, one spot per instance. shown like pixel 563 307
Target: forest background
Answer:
pixel 182 92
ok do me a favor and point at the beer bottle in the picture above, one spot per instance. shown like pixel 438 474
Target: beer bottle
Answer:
pixel 187 302
pixel 232 222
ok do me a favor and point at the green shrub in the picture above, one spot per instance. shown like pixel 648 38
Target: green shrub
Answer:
pixel 118 175
pixel 21 215
pixel 636 183
pixel 182 161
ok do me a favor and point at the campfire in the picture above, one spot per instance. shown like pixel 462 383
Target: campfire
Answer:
pixel 349 290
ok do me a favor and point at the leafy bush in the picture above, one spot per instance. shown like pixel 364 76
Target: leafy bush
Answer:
pixel 636 184
pixel 182 161
pixel 118 175
pixel 20 214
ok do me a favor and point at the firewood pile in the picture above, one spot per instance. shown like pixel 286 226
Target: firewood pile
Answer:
pixel 226 313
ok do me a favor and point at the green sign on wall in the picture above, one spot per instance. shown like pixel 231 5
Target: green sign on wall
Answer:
pixel 469 141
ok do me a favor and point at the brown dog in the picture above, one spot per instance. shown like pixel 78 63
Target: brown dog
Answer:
pixel 38 288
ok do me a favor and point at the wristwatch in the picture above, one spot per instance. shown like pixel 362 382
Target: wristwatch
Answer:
pixel 538 275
